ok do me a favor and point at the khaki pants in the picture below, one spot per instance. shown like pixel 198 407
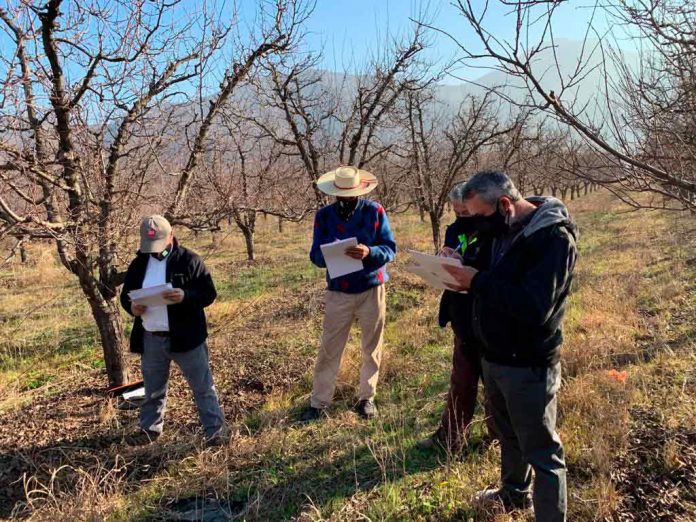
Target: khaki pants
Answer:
pixel 369 308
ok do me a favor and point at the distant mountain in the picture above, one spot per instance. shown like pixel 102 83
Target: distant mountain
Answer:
pixel 554 69
pixel 551 67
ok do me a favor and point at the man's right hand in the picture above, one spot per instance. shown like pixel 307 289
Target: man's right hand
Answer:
pixel 137 309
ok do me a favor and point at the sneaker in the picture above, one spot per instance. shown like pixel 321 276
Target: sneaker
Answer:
pixel 510 501
pixel 142 437
pixel 366 408
pixel 311 414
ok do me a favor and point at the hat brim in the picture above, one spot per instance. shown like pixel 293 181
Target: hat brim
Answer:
pixel 154 246
pixel 326 184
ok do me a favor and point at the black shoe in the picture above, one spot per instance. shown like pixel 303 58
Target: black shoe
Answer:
pixel 509 500
pixel 311 414
pixel 142 438
pixel 218 439
pixel 366 408
pixel 431 442
pixel 438 441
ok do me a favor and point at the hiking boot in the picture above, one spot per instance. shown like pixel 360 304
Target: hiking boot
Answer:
pixel 311 414
pixel 509 500
pixel 142 437
pixel 220 438
pixel 366 408
pixel 438 441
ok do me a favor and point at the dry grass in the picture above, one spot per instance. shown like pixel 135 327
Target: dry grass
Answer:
pixel 633 309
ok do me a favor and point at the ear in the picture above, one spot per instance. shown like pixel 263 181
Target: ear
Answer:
pixel 505 204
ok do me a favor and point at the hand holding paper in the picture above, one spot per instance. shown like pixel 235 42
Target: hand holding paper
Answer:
pixel 152 296
pixel 338 263
pixel 434 270
pixel 463 275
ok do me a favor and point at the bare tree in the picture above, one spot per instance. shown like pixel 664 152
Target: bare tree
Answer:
pixel 640 119
pixel 443 147
pixel 322 119
pixel 86 114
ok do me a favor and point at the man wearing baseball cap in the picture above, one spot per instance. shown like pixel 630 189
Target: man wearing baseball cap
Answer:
pixel 174 332
pixel 358 295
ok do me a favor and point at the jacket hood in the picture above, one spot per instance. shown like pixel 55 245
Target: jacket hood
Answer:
pixel 550 211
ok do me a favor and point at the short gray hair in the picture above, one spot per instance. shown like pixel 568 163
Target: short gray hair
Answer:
pixel 490 185
pixel 456 194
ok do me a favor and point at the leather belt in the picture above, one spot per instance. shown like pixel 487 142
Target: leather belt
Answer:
pixel 160 334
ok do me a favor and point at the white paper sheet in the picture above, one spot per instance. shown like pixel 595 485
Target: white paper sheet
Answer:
pixel 138 393
pixel 337 262
pixel 432 269
pixel 151 296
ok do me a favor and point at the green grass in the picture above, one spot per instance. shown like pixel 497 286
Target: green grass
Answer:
pixel 633 308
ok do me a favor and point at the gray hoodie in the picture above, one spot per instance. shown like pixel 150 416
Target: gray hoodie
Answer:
pixel 550 211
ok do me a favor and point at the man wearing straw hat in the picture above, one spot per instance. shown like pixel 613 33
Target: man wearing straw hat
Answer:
pixel 358 295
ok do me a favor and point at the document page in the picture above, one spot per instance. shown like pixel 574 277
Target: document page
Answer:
pixel 151 296
pixel 431 269
pixel 337 262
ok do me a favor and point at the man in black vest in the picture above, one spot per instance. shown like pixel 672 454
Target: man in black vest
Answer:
pixel 519 303
pixel 173 332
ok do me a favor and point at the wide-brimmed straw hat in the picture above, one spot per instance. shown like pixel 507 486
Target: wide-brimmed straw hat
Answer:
pixel 347 182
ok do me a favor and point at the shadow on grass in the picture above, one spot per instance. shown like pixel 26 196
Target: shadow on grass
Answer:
pixel 318 475
pixel 53 470
pixel 311 481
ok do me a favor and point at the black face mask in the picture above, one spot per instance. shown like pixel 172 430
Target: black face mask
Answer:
pixel 496 224
pixel 163 254
pixel 346 207
pixel 471 225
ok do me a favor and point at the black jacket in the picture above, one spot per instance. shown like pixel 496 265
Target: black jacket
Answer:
pixel 456 308
pixel 187 324
pixel 520 301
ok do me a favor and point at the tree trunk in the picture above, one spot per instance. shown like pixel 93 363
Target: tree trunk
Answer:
pixel 23 256
pixel 249 241
pixel 435 225
pixel 106 315
pixel 280 225
pixel 585 187
pixel 564 193
pixel 421 213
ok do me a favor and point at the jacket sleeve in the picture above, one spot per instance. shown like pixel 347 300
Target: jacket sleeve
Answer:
pixel 383 250
pixel 532 297
pixel 200 292
pixel 319 238
pixel 451 239
pixel 128 285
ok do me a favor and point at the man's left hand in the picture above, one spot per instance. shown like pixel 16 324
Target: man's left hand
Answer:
pixel 174 296
pixel 463 275
pixel 358 251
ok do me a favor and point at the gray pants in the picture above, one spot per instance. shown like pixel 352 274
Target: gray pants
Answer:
pixel 155 362
pixel 523 405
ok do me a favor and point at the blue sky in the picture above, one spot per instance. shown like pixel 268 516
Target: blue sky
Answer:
pixel 350 30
